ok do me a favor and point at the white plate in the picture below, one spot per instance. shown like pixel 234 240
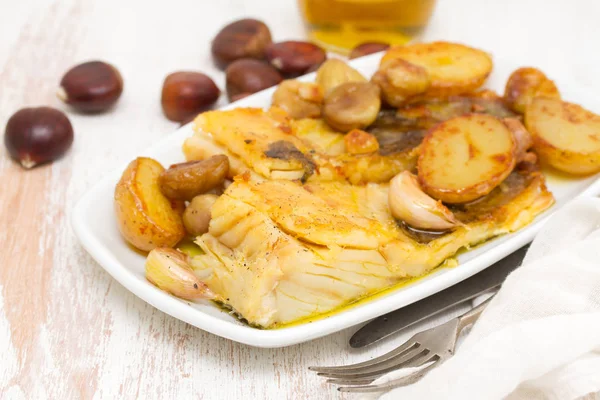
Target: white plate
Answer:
pixel 95 225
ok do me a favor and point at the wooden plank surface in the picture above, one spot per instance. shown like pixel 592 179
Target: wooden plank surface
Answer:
pixel 67 330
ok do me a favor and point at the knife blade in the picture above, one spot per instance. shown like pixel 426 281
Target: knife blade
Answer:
pixel 390 323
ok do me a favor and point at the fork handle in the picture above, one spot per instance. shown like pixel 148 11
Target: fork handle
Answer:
pixel 472 315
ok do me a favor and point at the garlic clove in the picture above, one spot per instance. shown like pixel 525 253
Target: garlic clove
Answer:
pixel 169 270
pixel 410 204
pixel 523 139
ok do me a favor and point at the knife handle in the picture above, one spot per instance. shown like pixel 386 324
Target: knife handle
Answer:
pixel 472 315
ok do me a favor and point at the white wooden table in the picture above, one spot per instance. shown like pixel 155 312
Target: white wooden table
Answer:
pixel 67 329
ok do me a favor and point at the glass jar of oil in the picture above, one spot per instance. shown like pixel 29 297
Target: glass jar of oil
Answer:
pixel 340 25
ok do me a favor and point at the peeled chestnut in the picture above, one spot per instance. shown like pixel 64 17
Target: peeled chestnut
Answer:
pixel 185 94
pixel 91 87
pixel 334 72
pixel 299 99
pixel 352 105
pixel 293 58
pixel 364 49
pixel 246 38
pixel 37 135
pixel 400 81
pixel 249 76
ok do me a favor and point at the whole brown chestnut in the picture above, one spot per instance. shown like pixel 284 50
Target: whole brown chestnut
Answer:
pixel 249 76
pixel 185 94
pixel 245 38
pixel 367 48
pixel 91 87
pixel 295 58
pixel 239 96
pixel 37 135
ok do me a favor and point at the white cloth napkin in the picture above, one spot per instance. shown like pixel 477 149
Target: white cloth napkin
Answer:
pixel 540 336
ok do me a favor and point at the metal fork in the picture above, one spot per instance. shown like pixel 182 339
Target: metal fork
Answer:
pixel 433 346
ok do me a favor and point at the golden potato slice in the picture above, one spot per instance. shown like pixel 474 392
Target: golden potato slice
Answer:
pixel 565 135
pixel 453 68
pixel 466 157
pixel 526 83
pixel 146 218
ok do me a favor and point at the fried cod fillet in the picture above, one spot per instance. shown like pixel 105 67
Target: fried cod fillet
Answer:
pixel 280 251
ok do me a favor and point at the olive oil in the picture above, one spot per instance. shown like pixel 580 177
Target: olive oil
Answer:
pixel 448 263
pixel 340 25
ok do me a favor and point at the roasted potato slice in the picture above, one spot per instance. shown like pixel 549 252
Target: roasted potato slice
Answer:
pixel 146 218
pixel 565 135
pixel 526 83
pixel 453 68
pixel 466 157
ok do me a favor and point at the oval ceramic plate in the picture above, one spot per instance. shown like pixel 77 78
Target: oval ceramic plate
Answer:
pixel 95 225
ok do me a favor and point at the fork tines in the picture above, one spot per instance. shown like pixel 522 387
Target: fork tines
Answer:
pixel 410 355
pixel 431 346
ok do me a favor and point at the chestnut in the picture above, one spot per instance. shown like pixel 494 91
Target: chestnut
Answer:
pixel 401 81
pixel 352 105
pixel 335 72
pixel 249 76
pixel 299 99
pixel 245 38
pixel 91 87
pixel 293 58
pixel 367 48
pixel 186 94
pixel 37 135
pixel 239 96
